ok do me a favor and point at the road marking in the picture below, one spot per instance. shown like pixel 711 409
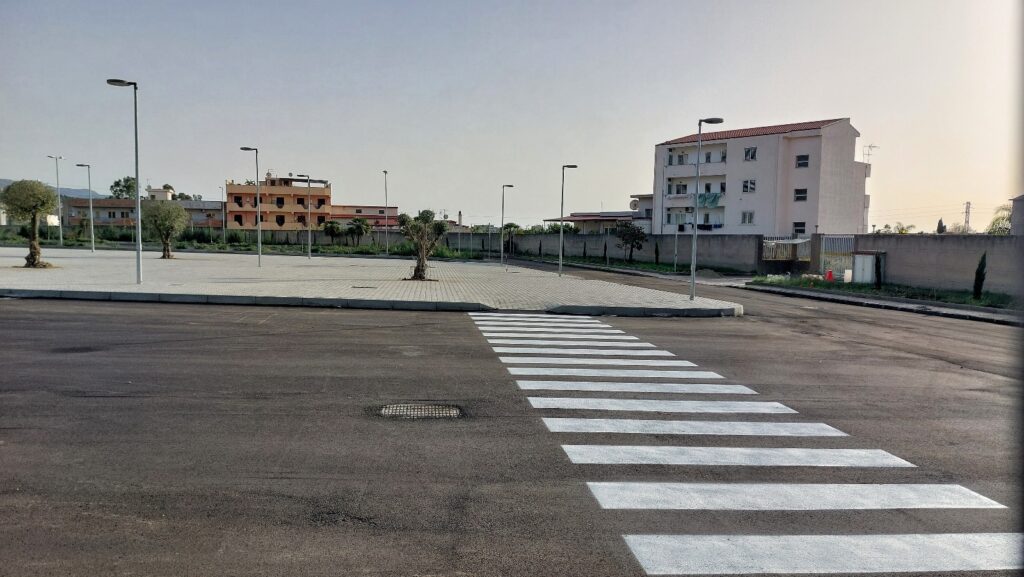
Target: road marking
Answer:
pixel 548 325
pixel 655 427
pixel 528 315
pixel 616 362
pixel 730 456
pixel 690 388
pixel 563 336
pixel 791 554
pixel 620 373
pixel 581 331
pixel 562 321
pixel 785 496
pixel 539 342
pixel 655 406
pixel 605 352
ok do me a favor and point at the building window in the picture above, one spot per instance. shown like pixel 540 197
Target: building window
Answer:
pixel 279 201
pixel 381 211
pixel 799 194
pixel 238 200
pixel 799 227
pixel 300 201
pixel 319 202
pixel 707 187
pixel 803 160
pixel 723 155
pixel 111 214
pixel 671 157
pixel 747 217
pixel 707 158
pixel 680 189
pixel 238 220
pixel 124 214
pixel 684 158
pixel 301 219
pixel 320 219
pixel 279 219
pixel 750 185
pixel 721 187
pixel 647 212
pixel 750 153
pixel 359 211
pixel 668 216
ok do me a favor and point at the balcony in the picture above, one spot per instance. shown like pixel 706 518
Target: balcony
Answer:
pixel 690 170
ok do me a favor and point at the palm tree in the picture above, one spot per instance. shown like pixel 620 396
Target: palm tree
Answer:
pixel 332 228
pixel 357 227
pixel 1000 220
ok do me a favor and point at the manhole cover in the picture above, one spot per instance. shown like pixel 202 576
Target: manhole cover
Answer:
pixel 420 411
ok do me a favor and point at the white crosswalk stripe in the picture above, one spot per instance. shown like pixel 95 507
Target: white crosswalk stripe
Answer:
pixel 595 386
pixel 596 352
pixel 657 427
pixel 646 405
pixel 793 554
pixel 574 331
pixel 577 336
pixel 498 325
pixel 556 343
pixel 786 496
pixel 730 456
pixel 611 362
pixel 556 321
pixel 477 315
pixel 617 373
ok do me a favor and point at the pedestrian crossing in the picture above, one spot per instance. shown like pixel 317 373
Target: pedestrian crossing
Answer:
pixel 557 357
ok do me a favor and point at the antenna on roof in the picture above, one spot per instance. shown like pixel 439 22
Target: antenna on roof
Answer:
pixel 866 153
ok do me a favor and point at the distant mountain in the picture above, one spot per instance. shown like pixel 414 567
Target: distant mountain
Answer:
pixel 72 192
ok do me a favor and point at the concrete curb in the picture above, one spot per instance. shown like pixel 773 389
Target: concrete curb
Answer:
pixel 998 318
pixel 244 300
pixel 629 272
pixel 342 303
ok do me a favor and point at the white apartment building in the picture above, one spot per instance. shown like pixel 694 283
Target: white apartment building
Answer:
pixel 774 180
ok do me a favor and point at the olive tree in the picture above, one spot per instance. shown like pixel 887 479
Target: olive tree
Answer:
pixel 167 218
pixel 424 233
pixel 30 200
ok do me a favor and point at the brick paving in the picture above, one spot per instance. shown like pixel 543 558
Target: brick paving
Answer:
pixel 371 279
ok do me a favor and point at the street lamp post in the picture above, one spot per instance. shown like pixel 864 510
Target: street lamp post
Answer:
pixel 309 231
pixel 60 215
pixel 138 195
pixel 501 231
pixel 259 210
pixel 696 193
pixel 387 235
pixel 561 222
pixel 92 228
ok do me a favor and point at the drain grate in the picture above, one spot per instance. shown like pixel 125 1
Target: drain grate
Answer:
pixel 420 411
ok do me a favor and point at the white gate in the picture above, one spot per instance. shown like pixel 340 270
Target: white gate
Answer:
pixel 836 253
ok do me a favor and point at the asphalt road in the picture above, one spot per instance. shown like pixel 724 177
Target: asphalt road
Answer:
pixel 144 439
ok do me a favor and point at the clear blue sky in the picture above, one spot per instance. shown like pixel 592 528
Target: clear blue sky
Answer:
pixel 455 99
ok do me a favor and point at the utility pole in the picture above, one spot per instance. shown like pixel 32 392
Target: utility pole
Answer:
pixel 967 216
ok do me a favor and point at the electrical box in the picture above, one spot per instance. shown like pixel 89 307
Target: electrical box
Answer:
pixel 866 264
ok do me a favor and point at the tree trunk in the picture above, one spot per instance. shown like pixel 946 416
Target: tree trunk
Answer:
pixel 35 255
pixel 420 272
pixel 167 248
pixel 630 254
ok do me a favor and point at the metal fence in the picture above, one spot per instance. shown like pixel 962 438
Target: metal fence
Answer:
pixel 836 253
pixel 782 247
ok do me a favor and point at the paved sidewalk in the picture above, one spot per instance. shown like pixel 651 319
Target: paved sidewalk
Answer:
pixel 972 313
pixel 334 282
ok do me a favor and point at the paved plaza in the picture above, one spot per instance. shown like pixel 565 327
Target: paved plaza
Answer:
pixel 349 282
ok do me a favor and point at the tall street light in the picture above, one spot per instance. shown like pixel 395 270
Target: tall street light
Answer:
pixel 309 231
pixel 696 193
pixel 259 211
pixel 501 231
pixel 387 236
pixel 60 216
pixel 92 228
pixel 138 195
pixel 561 222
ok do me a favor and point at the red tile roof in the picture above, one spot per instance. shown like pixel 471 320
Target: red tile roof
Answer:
pixel 758 131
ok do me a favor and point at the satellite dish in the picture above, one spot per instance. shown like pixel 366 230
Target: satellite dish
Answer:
pixel 634 204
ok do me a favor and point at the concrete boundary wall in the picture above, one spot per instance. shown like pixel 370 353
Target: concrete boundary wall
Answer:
pixel 948 261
